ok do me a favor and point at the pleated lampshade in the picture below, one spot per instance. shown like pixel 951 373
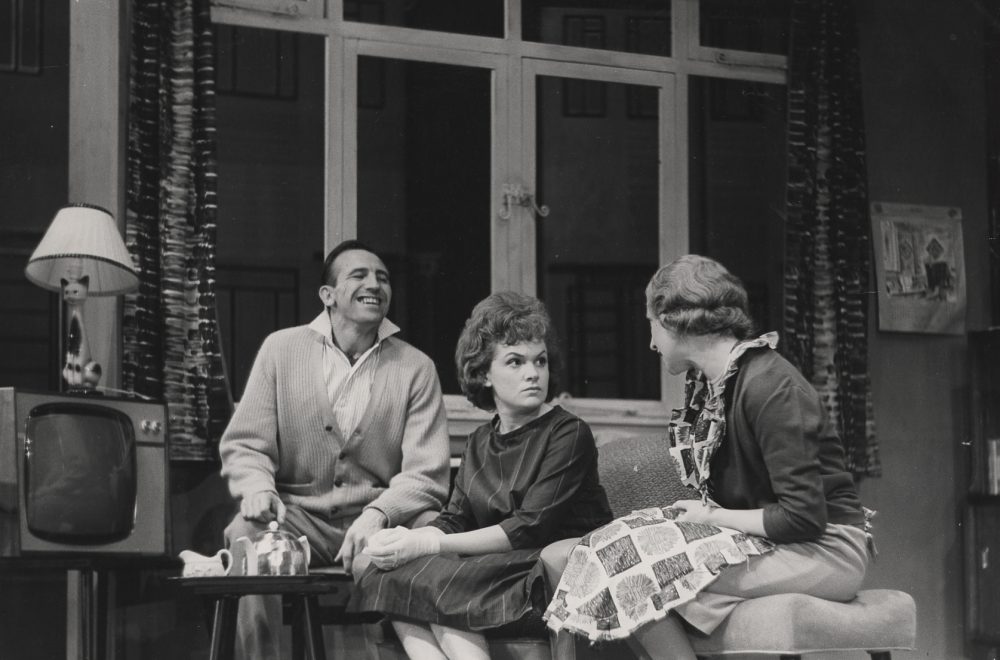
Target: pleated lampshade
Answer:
pixel 83 240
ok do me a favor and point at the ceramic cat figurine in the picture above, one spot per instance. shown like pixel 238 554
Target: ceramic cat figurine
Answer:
pixel 78 369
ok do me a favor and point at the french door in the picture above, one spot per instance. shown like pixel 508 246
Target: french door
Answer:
pixel 495 172
pixel 540 147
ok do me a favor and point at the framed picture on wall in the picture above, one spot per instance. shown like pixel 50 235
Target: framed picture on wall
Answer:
pixel 919 267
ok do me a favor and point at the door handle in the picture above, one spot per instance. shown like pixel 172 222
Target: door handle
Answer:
pixel 513 194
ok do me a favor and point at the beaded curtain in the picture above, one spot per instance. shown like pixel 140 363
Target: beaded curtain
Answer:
pixel 171 335
pixel 828 232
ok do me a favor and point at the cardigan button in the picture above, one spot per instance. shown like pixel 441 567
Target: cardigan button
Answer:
pixel 329 428
pixel 343 455
pixel 338 482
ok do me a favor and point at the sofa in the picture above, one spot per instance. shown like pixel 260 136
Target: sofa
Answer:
pixel 637 473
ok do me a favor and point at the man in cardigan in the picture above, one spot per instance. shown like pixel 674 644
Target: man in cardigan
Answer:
pixel 341 432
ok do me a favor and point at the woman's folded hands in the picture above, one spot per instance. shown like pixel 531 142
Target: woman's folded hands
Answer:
pixel 394 547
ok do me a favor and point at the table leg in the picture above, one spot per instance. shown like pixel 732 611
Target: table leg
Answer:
pixel 224 628
pixel 313 633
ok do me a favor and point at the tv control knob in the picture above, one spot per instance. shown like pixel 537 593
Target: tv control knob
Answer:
pixel 150 426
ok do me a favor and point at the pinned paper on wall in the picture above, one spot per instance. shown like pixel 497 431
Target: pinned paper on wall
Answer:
pixel 919 267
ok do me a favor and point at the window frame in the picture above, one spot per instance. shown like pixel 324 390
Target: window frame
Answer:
pixel 507 56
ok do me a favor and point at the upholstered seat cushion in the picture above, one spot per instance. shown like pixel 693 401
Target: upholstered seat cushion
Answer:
pixel 878 619
pixel 638 473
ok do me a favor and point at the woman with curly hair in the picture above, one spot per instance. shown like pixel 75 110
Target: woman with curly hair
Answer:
pixel 770 491
pixel 527 478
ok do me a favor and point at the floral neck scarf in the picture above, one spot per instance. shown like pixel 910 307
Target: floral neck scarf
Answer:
pixel 696 430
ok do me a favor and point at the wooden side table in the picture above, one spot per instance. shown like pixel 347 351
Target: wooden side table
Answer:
pixel 301 590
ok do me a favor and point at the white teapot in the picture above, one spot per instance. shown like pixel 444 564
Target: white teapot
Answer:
pixel 272 552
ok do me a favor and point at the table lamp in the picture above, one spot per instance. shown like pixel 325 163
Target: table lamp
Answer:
pixel 81 254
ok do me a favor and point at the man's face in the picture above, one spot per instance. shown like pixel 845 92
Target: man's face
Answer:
pixel 361 292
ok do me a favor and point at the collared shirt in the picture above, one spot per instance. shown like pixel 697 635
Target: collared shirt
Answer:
pixel 349 386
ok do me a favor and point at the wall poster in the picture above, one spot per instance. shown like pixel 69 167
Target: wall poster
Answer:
pixel 919 268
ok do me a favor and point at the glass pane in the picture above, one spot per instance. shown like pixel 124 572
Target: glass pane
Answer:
pixel 633 26
pixel 270 103
pixel 424 135
pixel 34 170
pixel 598 172
pixel 482 17
pixel 760 26
pixel 737 179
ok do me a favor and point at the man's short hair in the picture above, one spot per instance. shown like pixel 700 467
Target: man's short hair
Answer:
pixel 503 318
pixel 327 276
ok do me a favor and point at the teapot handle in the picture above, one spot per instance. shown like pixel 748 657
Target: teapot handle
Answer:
pixel 308 551
pixel 226 558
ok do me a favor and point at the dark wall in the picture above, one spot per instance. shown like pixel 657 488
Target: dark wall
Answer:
pixel 922 70
pixel 34 147
pixel 34 131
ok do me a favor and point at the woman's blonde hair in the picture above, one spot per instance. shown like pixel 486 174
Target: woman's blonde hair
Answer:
pixel 695 295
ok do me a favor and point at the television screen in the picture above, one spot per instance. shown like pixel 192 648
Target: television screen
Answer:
pixel 80 473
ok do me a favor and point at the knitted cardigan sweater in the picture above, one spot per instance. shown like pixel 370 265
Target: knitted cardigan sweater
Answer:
pixel 283 438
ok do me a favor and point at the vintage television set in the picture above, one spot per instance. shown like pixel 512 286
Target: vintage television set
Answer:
pixel 82 475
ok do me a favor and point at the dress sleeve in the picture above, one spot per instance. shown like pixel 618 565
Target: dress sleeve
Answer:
pixel 569 457
pixel 787 420
pixel 457 515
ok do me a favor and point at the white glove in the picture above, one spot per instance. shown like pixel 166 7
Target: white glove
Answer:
pixel 394 547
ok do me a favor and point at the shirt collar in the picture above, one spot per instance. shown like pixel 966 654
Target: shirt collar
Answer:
pixel 321 325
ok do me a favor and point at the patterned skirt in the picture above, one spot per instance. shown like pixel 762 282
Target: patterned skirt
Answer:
pixel 471 593
pixel 635 569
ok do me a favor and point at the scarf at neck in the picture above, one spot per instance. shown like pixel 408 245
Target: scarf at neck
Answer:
pixel 697 429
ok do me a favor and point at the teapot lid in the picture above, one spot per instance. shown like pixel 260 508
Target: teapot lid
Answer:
pixel 272 533
pixel 272 529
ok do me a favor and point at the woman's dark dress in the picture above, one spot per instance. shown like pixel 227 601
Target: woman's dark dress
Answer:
pixel 540 484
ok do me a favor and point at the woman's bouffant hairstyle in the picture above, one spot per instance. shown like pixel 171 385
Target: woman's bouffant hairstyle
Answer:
pixel 696 296
pixel 503 318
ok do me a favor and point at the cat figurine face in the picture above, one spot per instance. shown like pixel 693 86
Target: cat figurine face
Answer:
pixel 74 292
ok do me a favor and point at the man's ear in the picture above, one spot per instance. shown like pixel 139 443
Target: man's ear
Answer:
pixel 326 295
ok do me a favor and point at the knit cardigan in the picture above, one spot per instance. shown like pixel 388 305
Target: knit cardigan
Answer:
pixel 283 437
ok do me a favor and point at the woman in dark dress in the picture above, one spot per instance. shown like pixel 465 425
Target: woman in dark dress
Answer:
pixel 528 478
pixel 766 467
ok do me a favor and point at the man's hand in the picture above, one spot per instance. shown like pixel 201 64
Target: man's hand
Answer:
pixel 264 507
pixel 356 538
pixel 394 547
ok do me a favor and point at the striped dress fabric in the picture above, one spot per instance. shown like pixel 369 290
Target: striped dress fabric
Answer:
pixel 539 483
